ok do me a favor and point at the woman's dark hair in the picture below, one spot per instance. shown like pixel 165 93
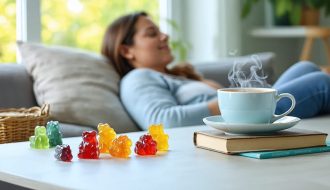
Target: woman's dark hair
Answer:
pixel 120 32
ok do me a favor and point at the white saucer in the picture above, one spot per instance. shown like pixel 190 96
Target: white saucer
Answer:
pixel 240 128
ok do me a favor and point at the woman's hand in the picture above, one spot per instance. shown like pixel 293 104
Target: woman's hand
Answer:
pixel 214 107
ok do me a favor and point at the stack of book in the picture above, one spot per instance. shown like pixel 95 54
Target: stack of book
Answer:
pixel 282 143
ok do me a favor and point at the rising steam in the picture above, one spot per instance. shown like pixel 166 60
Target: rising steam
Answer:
pixel 247 74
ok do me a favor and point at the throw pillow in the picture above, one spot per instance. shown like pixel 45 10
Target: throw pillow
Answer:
pixel 80 86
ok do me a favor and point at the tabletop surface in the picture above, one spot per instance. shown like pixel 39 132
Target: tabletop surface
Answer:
pixel 183 167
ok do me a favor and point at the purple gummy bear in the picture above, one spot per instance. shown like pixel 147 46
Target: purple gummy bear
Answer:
pixel 63 153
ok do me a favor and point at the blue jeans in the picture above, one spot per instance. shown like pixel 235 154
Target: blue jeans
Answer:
pixel 309 86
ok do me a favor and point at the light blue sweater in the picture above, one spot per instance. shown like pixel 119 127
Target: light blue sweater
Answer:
pixel 151 97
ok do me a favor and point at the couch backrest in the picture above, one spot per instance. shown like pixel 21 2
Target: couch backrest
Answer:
pixel 218 70
pixel 16 84
pixel 16 89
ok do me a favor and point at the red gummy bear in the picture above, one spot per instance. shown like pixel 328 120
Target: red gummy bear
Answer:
pixel 146 146
pixel 63 153
pixel 89 148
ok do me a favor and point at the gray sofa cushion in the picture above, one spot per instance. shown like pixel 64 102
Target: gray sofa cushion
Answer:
pixel 16 87
pixel 80 86
pixel 72 130
pixel 17 91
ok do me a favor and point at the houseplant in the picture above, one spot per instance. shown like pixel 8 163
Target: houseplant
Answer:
pixel 305 12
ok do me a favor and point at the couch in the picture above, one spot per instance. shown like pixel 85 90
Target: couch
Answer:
pixel 18 87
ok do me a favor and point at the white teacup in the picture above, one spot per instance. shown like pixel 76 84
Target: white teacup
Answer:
pixel 251 105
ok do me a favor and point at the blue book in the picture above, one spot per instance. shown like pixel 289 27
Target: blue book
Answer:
pixel 283 153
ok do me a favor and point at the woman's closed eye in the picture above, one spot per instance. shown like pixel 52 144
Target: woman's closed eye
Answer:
pixel 152 32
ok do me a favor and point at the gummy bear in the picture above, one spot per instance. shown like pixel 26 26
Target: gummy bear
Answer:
pixel 63 153
pixel 54 134
pixel 106 136
pixel 89 148
pixel 121 147
pixel 146 146
pixel 40 139
pixel 157 133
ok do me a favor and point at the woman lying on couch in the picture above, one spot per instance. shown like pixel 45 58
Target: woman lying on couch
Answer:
pixel 154 94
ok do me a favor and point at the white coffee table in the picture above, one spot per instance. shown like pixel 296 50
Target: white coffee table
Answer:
pixel 183 167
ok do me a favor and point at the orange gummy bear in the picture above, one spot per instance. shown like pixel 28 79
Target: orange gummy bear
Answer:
pixel 106 136
pixel 158 134
pixel 121 147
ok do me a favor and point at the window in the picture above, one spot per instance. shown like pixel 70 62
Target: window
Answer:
pixel 7 31
pixel 76 23
pixel 82 23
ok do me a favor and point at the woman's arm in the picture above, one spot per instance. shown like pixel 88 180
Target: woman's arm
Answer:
pixel 188 71
pixel 148 100
pixel 212 83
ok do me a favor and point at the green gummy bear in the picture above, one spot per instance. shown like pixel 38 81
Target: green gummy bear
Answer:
pixel 54 134
pixel 40 139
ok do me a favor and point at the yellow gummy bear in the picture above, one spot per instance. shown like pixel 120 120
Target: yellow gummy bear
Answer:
pixel 106 136
pixel 121 147
pixel 157 133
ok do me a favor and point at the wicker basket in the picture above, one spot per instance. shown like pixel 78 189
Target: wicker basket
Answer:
pixel 18 124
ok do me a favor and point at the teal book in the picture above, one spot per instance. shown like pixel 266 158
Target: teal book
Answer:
pixel 283 153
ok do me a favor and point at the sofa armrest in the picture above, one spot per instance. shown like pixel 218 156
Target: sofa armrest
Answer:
pixel 218 70
pixel 16 87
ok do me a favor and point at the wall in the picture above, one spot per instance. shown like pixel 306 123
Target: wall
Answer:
pixel 287 50
pixel 214 28
pixel 199 25
pixel 205 26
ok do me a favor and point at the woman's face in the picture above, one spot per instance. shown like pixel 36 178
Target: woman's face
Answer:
pixel 150 48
